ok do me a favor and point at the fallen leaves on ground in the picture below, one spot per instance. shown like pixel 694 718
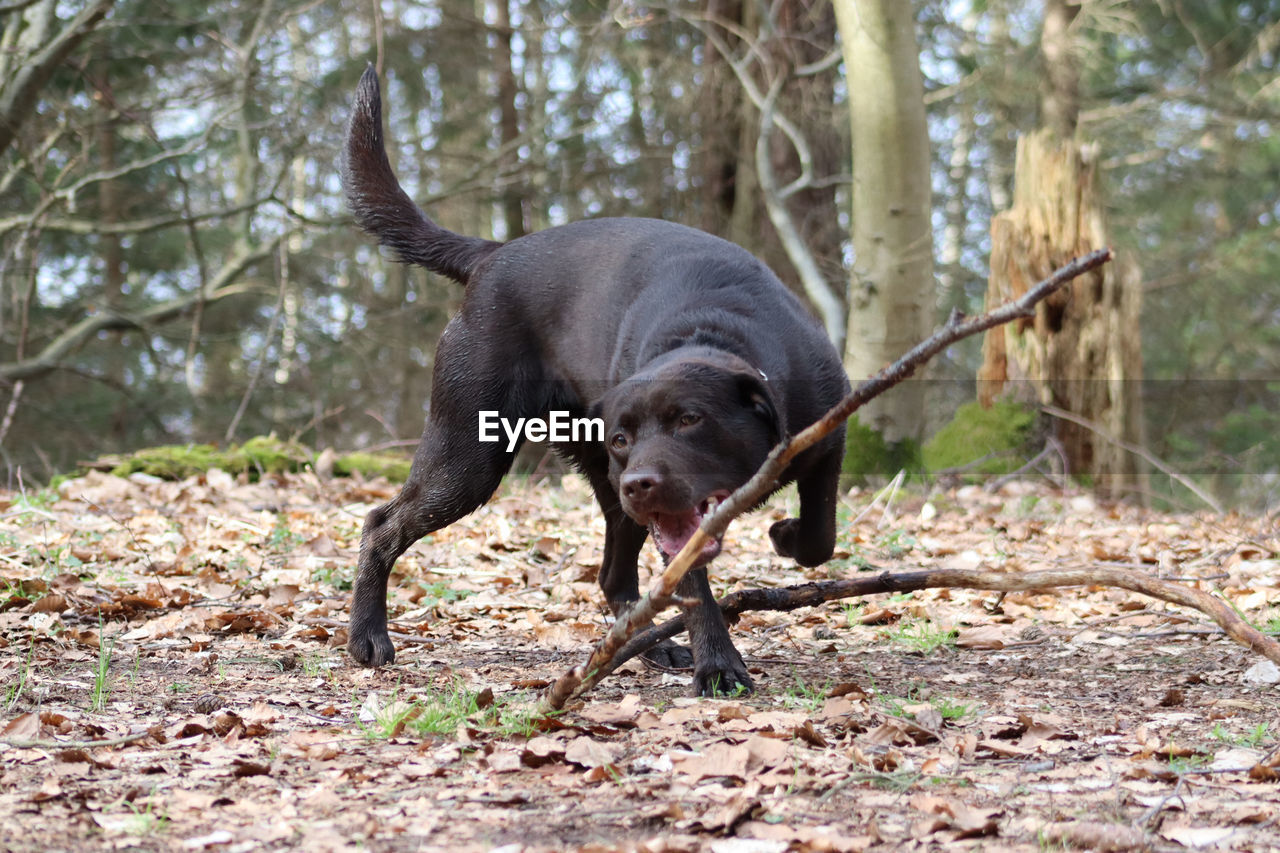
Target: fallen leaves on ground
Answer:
pixel 173 679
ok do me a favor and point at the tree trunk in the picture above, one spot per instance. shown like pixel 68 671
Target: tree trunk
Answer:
pixel 1060 83
pixel 509 121
pixel 813 208
pixel 892 291
pixel 1082 350
pixel 951 274
pixel 720 122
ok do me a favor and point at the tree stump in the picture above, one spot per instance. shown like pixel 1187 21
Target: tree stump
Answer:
pixel 1082 351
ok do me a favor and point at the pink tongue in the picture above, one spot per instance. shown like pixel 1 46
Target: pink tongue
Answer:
pixel 672 532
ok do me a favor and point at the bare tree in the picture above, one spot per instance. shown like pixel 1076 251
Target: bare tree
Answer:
pixel 892 289
pixel 762 74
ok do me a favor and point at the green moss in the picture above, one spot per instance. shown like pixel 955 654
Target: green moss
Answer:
pixel 257 456
pixel 266 454
pixel 169 462
pixel 983 441
pixel 867 454
pixel 393 466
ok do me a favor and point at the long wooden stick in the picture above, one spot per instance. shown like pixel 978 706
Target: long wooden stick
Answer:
pixel 812 594
pixel 661 590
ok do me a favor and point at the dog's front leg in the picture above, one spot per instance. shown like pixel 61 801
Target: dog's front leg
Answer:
pixel 811 538
pixel 718 669
pixel 619 581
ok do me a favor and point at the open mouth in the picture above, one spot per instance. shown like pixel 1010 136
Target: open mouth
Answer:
pixel 672 531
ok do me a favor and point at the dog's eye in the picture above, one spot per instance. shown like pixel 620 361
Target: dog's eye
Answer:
pixel 689 419
pixel 619 441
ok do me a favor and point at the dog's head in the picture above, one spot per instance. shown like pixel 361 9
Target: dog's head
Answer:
pixel 682 434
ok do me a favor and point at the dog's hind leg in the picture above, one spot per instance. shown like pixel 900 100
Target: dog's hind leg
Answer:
pixel 449 479
pixel 453 474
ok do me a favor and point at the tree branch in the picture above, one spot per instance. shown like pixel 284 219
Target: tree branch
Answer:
pixel 18 96
pixel 813 594
pixel 220 286
pixel 802 260
pixel 74 744
pixel 1136 450
pixel 16 5
pixel 662 589
pixel 136 226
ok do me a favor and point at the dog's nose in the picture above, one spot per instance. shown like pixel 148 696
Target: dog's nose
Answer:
pixel 641 484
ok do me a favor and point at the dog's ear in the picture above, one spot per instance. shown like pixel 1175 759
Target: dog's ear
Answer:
pixel 755 393
pixel 601 407
pixel 595 411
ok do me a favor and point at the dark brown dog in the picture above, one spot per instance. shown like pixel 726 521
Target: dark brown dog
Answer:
pixel 697 359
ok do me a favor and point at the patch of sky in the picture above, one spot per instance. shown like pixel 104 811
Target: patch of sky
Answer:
pixel 333 315
pixel 614 109
pixel 682 156
pixel 422 16
pixel 183 120
pixel 59 280
pixel 359 317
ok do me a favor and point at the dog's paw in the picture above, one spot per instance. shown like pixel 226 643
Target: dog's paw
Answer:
pixel 788 542
pixel 371 648
pixel 669 655
pixel 785 535
pixel 728 678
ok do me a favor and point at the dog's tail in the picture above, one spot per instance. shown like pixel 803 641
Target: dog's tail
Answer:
pixel 381 207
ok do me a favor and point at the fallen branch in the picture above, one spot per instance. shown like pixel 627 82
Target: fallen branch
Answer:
pixel 813 594
pixel 583 677
pixel 73 744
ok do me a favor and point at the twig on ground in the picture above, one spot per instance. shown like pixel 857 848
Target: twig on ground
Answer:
pixel 325 622
pixel 811 594
pixel 581 678
pixel 888 493
pixel 73 744
pixel 998 483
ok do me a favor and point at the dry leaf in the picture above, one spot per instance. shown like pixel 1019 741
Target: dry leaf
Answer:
pixel 22 727
pixel 588 752
pixel 983 637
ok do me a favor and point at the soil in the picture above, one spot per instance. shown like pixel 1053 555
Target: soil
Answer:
pixel 173 678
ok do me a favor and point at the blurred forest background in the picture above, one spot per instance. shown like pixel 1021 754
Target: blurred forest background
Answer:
pixel 177 265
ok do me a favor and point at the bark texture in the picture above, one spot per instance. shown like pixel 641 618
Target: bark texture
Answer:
pixel 1081 351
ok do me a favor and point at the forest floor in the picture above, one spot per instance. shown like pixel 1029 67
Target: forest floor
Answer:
pixel 173 677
